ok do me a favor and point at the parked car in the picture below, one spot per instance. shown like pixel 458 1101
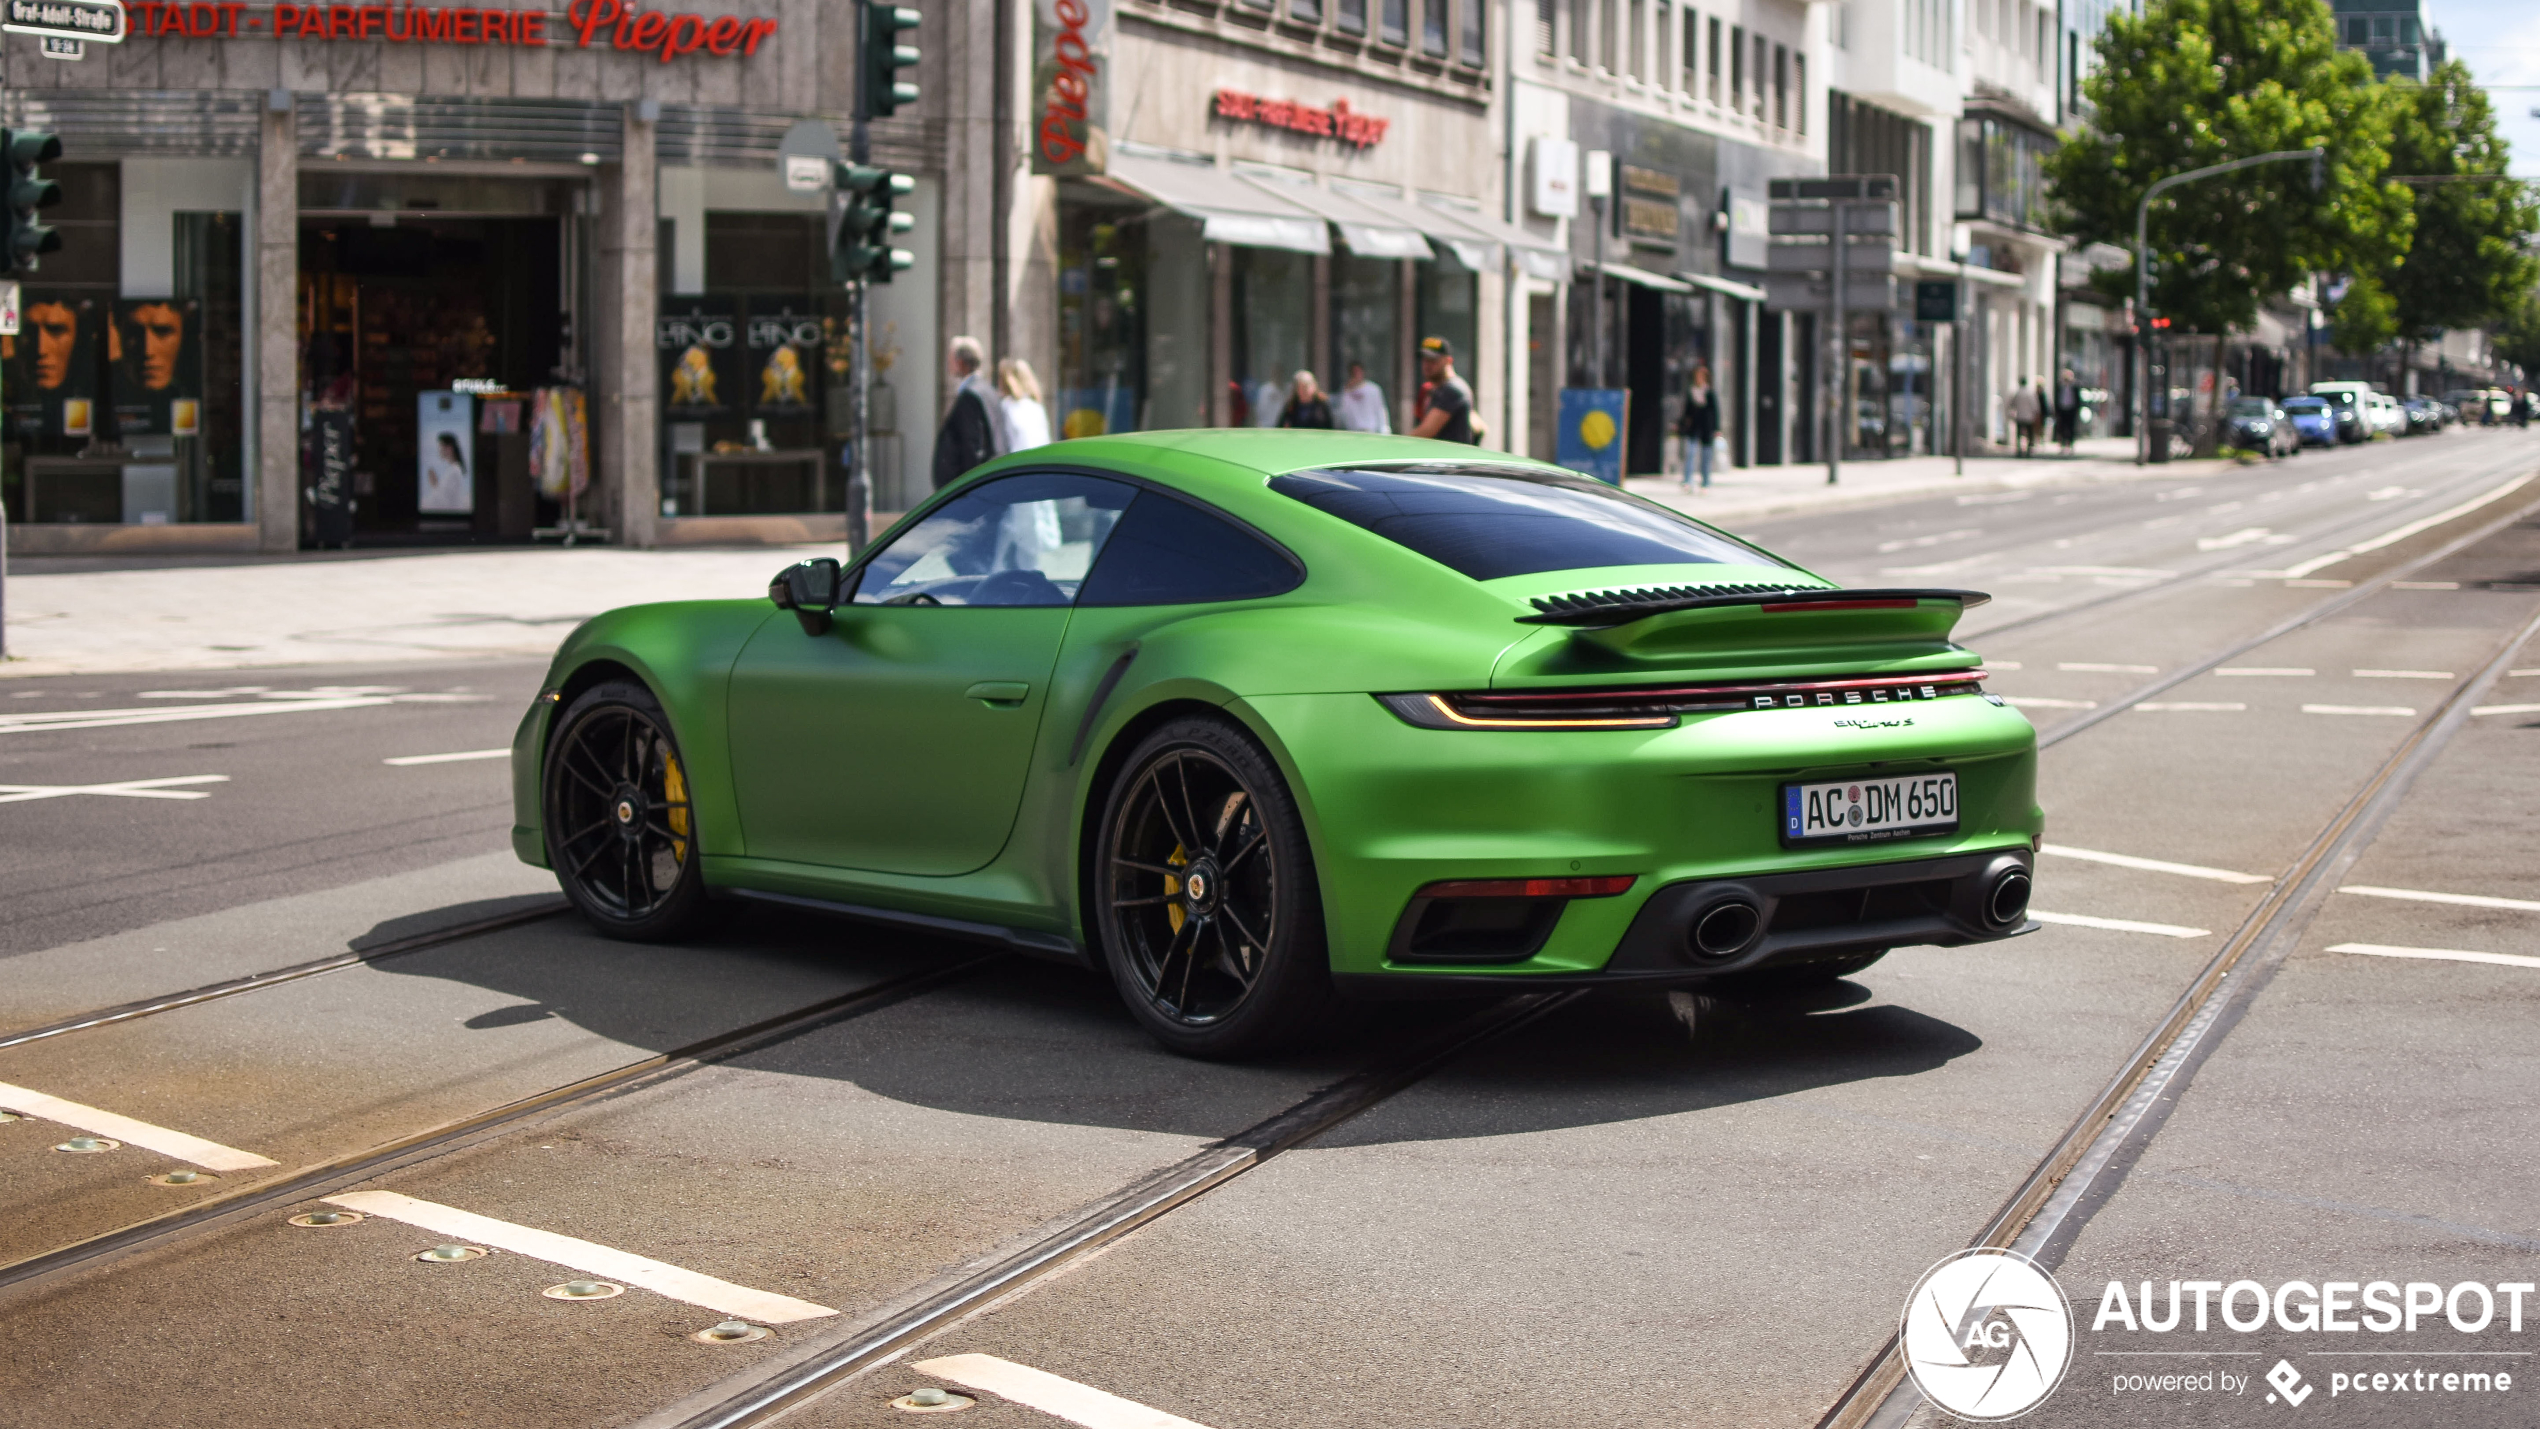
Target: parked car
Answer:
pixel 2386 415
pixel 2425 415
pixel 2257 424
pixel 2347 400
pixel 2470 405
pixel 2313 419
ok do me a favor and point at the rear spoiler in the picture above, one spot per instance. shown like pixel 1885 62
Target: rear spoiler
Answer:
pixel 1621 607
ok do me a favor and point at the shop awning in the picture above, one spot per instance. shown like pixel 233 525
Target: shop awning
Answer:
pixel 1229 209
pixel 1644 277
pixel 1364 231
pixel 1534 255
pixel 1723 286
pixel 1444 229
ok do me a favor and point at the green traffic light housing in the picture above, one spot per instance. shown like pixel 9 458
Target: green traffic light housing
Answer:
pixel 863 220
pixel 28 193
pixel 884 57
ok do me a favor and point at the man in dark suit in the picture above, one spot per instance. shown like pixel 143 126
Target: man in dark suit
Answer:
pixel 969 434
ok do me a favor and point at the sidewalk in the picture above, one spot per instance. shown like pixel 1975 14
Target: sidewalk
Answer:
pixel 93 615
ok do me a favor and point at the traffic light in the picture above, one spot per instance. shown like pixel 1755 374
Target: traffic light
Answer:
pixel 884 57
pixel 28 192
pixel 865 222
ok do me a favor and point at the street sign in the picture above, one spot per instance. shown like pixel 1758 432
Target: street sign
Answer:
pixel 99 20
pixel 1810 294
pixel 1936 302
pixel 1859 219
pixel 54 47
pixel 1871 257
pixel 806 173
pixel 1590 440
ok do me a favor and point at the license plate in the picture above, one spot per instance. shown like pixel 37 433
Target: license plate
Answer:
pixel 1860 811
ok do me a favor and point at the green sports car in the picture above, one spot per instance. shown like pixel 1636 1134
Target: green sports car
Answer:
pixel 1248 719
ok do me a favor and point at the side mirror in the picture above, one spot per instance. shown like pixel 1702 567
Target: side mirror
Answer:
pixel 810 590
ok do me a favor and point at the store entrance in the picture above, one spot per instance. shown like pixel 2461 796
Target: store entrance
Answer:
pixel 424 341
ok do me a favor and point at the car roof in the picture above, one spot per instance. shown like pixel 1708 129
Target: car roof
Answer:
pixel 1273 450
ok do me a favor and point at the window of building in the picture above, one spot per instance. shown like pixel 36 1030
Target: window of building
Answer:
pixel 1781 87
pixel 1689 74
pixel 1737 68
pixel 1711 54
pixel 2385 29
pixel 1546 12
pixel 1350 17
pixel 2002 172
pixel 1609 27
pixel 1582 29
pixel 123 389
pixel 1433 27
pixel 1863 138
pixel 1762 50
pixel 1393 22
pixel 1468 33
pixel 1308 12
pixel 1635 38
pixel 1799 93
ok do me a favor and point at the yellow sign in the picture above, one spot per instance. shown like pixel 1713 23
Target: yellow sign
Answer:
pixel 1597 430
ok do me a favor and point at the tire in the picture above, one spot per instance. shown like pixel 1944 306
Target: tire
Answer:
pixel 619 828
pixel 1795 977
pixel 1202 897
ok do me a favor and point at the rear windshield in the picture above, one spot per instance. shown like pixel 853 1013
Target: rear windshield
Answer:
pixel 2304 404
pixel 2252 407
pixel 1488 522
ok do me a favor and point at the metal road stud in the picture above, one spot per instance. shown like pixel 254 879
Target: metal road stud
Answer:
pixel 8 1115
pixel 320 1220
pixel 730 1332
pixel 931 1400
pixel 88 1144
pixel 928 1398
pixel 182 1178
pixel 583 1290
pixel 451 1254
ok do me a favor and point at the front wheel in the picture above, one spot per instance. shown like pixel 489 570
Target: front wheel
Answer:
pixel 621 833
pixel 1204 896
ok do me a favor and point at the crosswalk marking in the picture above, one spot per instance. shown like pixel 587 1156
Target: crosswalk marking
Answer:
pixel 120 789
pixel 1039 1389
pixel 210 1155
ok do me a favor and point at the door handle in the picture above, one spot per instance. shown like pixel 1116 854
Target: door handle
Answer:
pixel 1005 694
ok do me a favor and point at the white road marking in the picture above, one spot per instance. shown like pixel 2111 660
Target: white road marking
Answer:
pixel 1915 543
pixel 2098 571
pixel 2447 955
pixel 2400 710
pixel 2466 900
pixel 2040 702
pixel 2320 585
pixel 170 714
pixel 449 758
pixel 591 1259
pixel 120 789
pixel 1061 1398
pixel 2425 585
pixel 2213 705
pixel 2118 925
pixel 2521 674
pixel 210 1155
pixel 2264 670
pixel 2400 533
pixel 2504 709
pixel 2009 665
pixel 2154 865
pixel 2093 667
pixel 2387 493
pixel 2404 675
pixel 2245 536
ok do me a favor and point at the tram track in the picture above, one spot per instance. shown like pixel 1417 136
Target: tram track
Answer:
pixel 2050 1204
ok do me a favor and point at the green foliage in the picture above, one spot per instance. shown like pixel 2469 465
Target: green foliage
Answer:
pixel 2465 265
pixel 2188 83
pixel 2518 336
pixel 2365 318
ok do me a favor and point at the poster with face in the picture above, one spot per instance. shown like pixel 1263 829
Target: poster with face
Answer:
pixel 445 472
pixel 52 376
pixel 785 339
pixel 698 342
pixel 156 350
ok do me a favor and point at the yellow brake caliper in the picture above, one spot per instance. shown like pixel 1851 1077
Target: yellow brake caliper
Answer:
pixel 674 791
pixel 1173 889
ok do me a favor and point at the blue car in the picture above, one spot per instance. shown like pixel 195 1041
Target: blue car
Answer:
pixel 2314 420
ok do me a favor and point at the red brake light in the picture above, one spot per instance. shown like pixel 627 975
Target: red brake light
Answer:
pixel 1603 887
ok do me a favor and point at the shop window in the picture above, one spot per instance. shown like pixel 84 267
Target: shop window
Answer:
pixel 1273 309
pixel 1132 314
pixel 1367 324
pixel 1448 306
pixel 754 379
pixel 125 409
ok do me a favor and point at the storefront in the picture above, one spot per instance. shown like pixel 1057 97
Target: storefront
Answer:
pixel 392 278
pixel 1227 215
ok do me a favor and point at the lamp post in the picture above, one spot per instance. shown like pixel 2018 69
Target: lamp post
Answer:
pixel 2143 276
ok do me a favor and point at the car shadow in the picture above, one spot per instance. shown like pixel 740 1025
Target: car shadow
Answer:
pixel 1019 1039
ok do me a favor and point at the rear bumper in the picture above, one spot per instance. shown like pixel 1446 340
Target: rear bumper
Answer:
pixel 1810 915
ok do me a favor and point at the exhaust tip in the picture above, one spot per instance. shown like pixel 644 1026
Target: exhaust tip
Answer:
pixel 1725 928
pixel 2008 902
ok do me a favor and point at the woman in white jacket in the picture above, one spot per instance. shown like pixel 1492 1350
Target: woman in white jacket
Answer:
pixel 1025 421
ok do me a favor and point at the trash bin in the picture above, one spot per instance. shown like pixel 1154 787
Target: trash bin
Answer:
pixel 2158 447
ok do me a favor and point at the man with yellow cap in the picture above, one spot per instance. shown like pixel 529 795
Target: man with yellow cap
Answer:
pixel 1448 414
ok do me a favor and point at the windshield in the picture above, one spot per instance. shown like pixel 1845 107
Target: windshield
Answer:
pixel 2342 399
pixel 1490 522
pixel 2300 405
pixel 2252 407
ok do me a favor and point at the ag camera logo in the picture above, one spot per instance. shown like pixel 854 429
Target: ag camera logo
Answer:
pixel 1987 1335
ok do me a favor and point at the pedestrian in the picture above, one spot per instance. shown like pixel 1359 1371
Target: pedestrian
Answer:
pixel 1307 406
pixel 2067 410
pixel 2024 409
pixel 1699 425
pixel 1362 404
pixel 1025 422
pixel 971 432
pixel 1448 415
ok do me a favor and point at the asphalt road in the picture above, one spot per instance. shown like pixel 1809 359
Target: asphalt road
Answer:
pixel 1625 1211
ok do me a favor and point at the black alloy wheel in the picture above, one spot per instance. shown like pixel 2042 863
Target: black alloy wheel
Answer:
pixel 621 835
pixel 1204 894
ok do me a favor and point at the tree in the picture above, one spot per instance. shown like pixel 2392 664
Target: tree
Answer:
pixel 2518 337
pixel 2465 264
pixel 2188 83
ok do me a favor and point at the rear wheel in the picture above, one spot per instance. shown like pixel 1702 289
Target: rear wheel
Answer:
pixel 1204 896
pixel 621 834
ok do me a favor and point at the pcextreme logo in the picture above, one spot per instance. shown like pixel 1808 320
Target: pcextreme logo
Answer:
pixel 1987 1335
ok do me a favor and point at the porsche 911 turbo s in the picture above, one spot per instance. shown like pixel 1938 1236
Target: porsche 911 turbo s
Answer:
pixel 1247 720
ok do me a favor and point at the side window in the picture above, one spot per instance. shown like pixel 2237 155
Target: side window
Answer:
pixel 1168 552
pixel 1020 540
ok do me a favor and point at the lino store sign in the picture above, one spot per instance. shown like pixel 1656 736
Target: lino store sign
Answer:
pixel 585 24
